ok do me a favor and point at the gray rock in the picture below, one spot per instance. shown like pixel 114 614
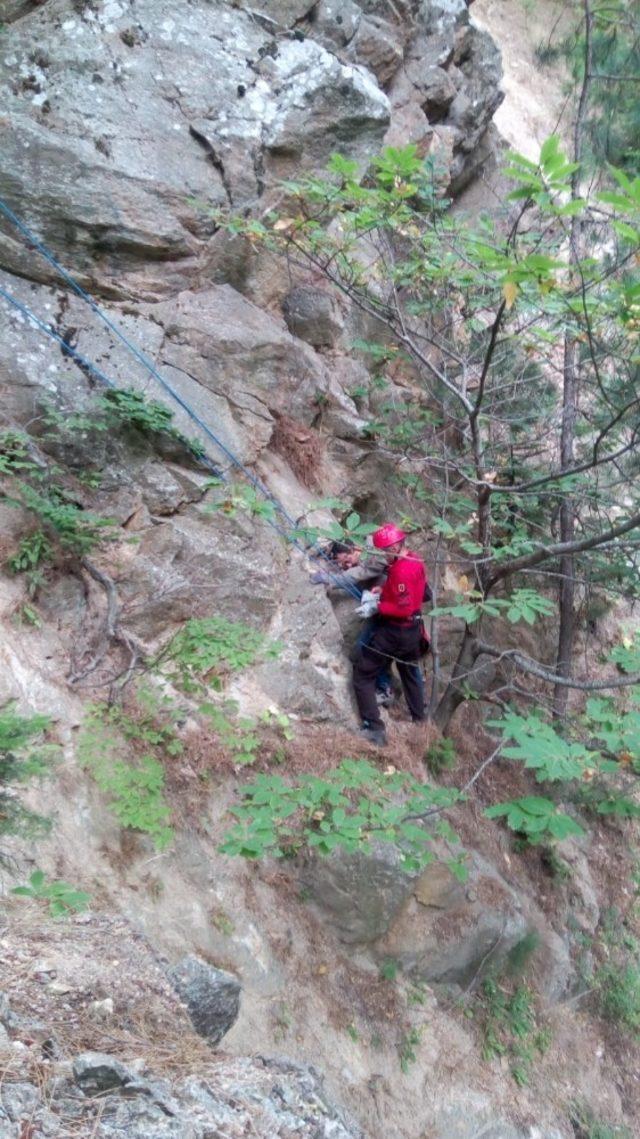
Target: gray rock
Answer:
pixel 270 1099
pixel 359 894
pixel 313 315
pixel 5 1040
pixel 8 1019
pixel 377 45
pixel 284 13
pixel 219 105
pixel 452 933
pixel 96 1072
pixel 211 995
pixel 335 23
pixel 443 15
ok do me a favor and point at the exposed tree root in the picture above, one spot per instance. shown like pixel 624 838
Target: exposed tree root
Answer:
pixel 111 634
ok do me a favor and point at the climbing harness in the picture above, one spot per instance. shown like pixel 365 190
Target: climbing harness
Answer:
pixel 258 485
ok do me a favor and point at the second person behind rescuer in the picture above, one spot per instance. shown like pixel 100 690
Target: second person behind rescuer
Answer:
pixel 397 635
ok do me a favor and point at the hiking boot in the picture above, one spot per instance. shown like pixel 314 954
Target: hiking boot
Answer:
pixel 376 736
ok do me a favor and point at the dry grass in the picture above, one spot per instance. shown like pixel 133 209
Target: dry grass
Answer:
pixel 301 447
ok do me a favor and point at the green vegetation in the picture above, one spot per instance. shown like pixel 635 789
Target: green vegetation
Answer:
pixel 126 747
pixel 239 498
pixel 131 409
pixel 440 756
pixel 61 525
pixel 352 807
pixel 389 969
pixel 473 314
pixel 352 528
pixel 207 650
pixel 603 43
pixel 407 1048
pixel 118 410
pixel 22 757
pixel 134 784
pixel 587 1126
pixel 61 898
pixel 617 981
pixel 619 993
pixel 510 1027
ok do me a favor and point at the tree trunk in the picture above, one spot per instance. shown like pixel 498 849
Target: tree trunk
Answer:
pixel 566 599
pixel 454 694
pixel 567 531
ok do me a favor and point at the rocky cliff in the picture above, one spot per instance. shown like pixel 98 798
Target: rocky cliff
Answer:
pixel 123 126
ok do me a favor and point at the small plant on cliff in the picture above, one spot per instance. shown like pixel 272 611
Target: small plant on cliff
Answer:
pixel 21 758
pixel 511 1028
pixel 208 649
pixel 133 409
pixel 407 1049
pixel 31 484
pixel 617 981
pixel 352 807
pixel 440 756
pixel 239 498
pixel 62 899
pixel 134 784
pixel 117 409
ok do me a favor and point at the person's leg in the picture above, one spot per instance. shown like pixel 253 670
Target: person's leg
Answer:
pixel 384 687
pixel 413 688
pixel 418 675
pixel 410 671
pixel 371 660
pixel 383 680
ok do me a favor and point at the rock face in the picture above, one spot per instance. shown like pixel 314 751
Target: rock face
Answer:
pixel 437 929
pixel 451 932
pixel 123 120
pixel 123 123
pixel 125 115
pixel 211 995
pixel 276 1099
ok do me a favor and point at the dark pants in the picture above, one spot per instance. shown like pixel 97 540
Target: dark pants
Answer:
pixel 384 682
pixel 389 641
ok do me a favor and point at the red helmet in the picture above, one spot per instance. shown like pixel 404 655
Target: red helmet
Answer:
pixel 387 536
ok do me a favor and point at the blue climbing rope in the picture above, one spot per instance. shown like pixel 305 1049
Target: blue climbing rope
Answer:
pixel 345 585
pixel 86 364
pixel 143 359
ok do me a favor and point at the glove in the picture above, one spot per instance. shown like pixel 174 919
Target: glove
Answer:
pixel 368 604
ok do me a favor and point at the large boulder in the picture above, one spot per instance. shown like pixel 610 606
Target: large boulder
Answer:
pixel 313 315
pixel 453 932
pixel 359 894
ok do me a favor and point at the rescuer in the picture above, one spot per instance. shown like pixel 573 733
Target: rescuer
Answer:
pixel 398 634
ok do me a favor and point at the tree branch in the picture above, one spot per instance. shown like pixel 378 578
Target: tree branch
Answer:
pixel 536 669
pixel 560 548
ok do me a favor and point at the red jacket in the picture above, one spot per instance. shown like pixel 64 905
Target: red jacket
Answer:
pixel 403 591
